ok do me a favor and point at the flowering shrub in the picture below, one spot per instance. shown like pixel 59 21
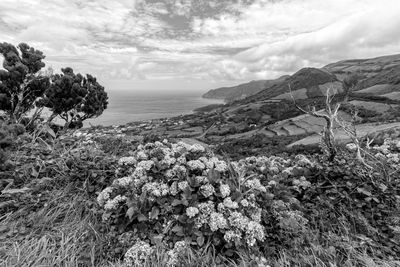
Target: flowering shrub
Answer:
pixel 175 192
pixel 389 152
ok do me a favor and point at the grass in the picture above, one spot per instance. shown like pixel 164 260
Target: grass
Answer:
pixel 66 233
pixel 62 233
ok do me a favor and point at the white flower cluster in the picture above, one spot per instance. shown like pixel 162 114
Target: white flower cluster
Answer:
pixel 114 203
pixel 183 185
pixel 141 155
pixel 207 190
pixel 255 184
pixel 127 161
pixel 175 254
pixel 104 196
pixel 215 164
pixel 217 221
pixel 252 230
pixel 205 210
pixel 225 190
pixel 229 204
pixel 301 183
pixel 232 221
pixel 201 179
pixel 155 189
pixel 388 152
pixel 196 165
pixel 146 164
pixel 138 254
pixel 192 211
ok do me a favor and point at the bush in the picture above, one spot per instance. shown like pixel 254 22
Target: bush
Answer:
pixel 178 192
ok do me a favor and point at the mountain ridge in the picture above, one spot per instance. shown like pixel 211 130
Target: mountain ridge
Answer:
pixel 372 71
pixel 241 91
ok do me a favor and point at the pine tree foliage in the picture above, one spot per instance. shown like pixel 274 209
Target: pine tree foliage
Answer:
pixel 21 81
pixel 75 97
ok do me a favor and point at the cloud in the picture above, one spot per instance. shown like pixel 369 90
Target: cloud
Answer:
pixel 369 32
pixel 303 33
pixel 224 40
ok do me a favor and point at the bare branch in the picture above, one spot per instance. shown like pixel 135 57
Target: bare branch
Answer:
pixel 327 134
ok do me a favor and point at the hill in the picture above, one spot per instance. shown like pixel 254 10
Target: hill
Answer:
pixel 379 71
pixel 366 67
pixel 241 91
pixel 311 81
pixel 271 115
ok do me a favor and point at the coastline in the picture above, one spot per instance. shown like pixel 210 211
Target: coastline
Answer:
pixel 170 107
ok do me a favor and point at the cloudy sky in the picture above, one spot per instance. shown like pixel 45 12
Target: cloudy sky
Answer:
pixel 199 44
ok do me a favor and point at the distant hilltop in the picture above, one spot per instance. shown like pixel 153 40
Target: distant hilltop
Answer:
pixel 383 71
pixel 241 91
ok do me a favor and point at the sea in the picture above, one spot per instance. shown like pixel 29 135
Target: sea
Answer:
pixel 133 105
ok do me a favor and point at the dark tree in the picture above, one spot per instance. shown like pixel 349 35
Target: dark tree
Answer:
pixel 74 97
pixel 21 81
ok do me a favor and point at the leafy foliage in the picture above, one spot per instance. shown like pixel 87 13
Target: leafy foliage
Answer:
pixel 21 83
pixel 74 97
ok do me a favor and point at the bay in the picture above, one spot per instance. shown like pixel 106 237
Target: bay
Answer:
pixel 132 105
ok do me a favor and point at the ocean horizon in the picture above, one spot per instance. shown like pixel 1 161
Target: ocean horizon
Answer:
pixel 138 105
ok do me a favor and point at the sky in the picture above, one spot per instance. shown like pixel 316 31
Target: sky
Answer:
pixel 199 44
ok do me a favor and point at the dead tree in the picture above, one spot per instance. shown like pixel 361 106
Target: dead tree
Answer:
pixel 351 131
pixel 329 114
